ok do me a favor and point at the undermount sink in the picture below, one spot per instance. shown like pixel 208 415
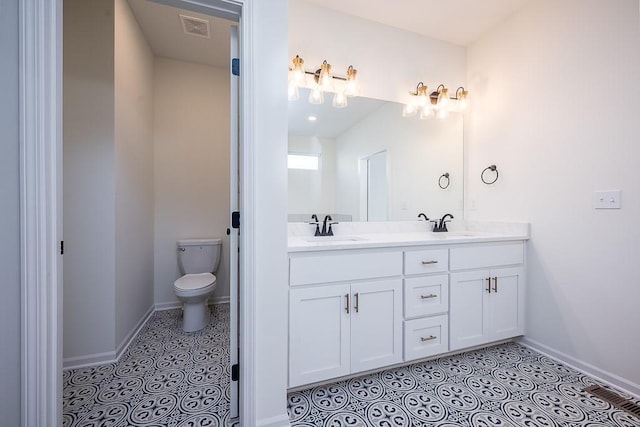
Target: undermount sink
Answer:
pixel 320 239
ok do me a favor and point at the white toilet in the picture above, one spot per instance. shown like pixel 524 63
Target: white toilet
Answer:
pixel 198 259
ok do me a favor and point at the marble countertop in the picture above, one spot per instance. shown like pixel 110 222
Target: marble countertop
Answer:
pixel 301 238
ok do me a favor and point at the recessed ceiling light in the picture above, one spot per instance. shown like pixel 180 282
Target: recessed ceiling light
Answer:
pixel 312 118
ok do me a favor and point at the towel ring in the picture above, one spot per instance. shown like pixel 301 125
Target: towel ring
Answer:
pixel 491 168
pixel 445 176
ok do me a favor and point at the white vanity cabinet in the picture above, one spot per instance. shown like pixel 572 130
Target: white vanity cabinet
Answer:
pixel 354 310
pixel 486 304
pixel 336 329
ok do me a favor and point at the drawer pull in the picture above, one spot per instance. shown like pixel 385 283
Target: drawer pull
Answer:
pixel 433 261
pixel 346 296
pixel 428 296
pixel 495 284
pixel 488 279
pixel 429 338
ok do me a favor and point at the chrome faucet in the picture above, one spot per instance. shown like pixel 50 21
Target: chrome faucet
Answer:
pixel 442 226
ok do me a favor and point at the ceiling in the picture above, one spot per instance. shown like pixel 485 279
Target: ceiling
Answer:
pixel 162 27
pixel 455 21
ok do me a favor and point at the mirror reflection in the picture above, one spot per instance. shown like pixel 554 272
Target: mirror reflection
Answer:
pixel 367 162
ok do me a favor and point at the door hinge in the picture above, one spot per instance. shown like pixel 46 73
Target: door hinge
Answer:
pixel 235 372
pixel 235 219
pixel 235 66
pixel 61 247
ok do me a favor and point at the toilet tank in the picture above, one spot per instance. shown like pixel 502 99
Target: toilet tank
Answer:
pixel 199 255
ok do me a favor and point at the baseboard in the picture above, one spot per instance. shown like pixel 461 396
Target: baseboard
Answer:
pixel 601 375
pixel 277 421
pixel 89 360
pixel 126 342
pixel 110 356
pixel 171 305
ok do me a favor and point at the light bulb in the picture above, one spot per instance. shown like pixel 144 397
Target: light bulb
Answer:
pixel 339 100
pixel 443 98
pixel 351 87
pixel 298 71
pixel 316 96
pixel 462 96
pixel 325 81
pixel 294 93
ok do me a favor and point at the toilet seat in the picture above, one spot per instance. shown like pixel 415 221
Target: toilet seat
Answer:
pixel 194 284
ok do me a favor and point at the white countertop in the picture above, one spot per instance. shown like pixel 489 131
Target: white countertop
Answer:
pixel 302 240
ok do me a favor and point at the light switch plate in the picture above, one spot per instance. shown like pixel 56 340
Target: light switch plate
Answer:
pixel 607 199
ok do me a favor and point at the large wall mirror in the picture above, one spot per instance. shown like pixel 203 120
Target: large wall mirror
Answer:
pixel 367 162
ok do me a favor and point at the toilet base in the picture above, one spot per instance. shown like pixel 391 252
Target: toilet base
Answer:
pixel 195 316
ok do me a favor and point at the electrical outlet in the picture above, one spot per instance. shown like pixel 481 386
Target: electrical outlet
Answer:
pixel 607 199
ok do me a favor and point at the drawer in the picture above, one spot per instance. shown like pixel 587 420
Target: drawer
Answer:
pixel 424 296
pixel 426 337
pixel 481 256
pixel 426 261
pixel 340 267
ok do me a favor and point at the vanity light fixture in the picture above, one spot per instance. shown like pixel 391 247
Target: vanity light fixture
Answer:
pixel 323 81
pixel 419 101
pixel 440 98
pixel 436 103
pixel 460 101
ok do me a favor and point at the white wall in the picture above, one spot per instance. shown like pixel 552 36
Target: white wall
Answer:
pixel 89 178
pixel 191 166
pixel 418 152
pixel 10 358
pixel 555 91
pixel 313 191
pixel 390 61
pixel 133 174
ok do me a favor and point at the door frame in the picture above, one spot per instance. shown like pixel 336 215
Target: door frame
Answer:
pixel 40 58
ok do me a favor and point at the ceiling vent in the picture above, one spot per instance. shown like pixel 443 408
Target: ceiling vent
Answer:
pixel 195 26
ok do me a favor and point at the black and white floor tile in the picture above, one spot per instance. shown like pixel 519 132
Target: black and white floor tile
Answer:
pixel 505 385
pixel 166 378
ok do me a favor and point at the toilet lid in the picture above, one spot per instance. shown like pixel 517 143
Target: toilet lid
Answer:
pixel 194 281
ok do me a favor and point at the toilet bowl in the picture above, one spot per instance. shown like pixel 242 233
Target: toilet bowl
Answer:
pixel 198 259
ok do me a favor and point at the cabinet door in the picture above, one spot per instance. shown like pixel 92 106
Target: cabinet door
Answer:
pixel 468 313
pixel 506 316
pixel 376 324
pixel 318 334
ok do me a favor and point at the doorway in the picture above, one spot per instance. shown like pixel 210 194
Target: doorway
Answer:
pixel 181 204
pixel 373 187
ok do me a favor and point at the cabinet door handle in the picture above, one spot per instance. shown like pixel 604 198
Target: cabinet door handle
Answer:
pixel 346 296
pixel 429 338
pixel 433 261
pixel 488 279
pixel 495 284
pixel 356 295
pixel 428 296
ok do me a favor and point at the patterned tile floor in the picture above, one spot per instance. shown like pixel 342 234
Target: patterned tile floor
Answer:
pixel 166 378
pixel 505 385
